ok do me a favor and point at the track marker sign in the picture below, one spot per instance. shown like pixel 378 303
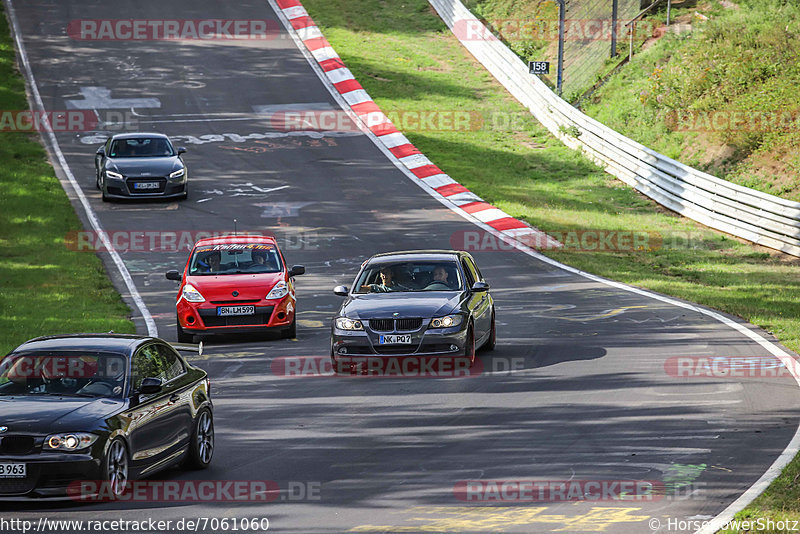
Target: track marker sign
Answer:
pixel 539 67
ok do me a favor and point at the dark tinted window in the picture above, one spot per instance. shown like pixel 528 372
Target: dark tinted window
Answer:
pixel 68 372
pixel 174 364
pixel 235 258
pixel 148 363
pixel 390 277
pixel 468 272
pixel 141 147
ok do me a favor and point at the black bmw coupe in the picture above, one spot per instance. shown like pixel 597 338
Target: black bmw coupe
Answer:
pixel 429 303
pixel 140 165
pixel 98 407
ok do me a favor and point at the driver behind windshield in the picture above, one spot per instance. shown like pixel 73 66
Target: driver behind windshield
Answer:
pixel 387 283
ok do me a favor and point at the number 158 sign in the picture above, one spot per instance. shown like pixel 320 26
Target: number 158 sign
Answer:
pixel 539 67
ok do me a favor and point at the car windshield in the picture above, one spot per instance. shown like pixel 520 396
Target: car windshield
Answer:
pixel 383 277
pixel 67 373
pixel 141 147
pixel 235 258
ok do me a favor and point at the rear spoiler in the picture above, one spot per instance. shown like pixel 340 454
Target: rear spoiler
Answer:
pixel 186 347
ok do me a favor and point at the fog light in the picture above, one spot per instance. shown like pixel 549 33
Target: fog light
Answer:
pixel 281 315
pixel 453 348
pixel 190 320
pixel 342 350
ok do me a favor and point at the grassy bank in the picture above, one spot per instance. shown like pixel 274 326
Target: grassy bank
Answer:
pixel 408 61
pixel 44 287
pixel 722 96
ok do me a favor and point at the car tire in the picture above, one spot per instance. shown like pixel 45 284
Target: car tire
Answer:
pixel 492 341
pixel 116 469
pixel 469 350
pixel 201 445
pixel 97 178
pixel 183 337
pixel 291 332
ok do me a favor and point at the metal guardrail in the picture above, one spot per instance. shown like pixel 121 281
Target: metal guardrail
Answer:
pixel 752 215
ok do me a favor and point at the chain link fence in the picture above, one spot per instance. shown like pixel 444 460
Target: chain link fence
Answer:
pixel 531 30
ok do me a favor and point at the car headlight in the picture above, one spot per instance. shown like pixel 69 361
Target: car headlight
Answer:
pixel 447 321
pixel 73 441
pixel 279 291
pixel 343 323
pixel 112 174
pixel 178 173
pixel 191 294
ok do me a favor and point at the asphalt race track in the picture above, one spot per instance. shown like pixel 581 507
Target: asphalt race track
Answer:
pixel 576 390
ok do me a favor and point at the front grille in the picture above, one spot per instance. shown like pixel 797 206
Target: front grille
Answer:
pixel 16 445
pixel 131 183
pixel 237 320
pixel 407 325
pixel 261 317
pixel 392 325
pixel 382 325
pixel 234 301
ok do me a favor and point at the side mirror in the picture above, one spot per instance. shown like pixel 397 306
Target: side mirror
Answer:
pixel 297 270
pixel 181 150
pixel 341 291
pixel 174 275
pixel 150 386
pixel 477 287
pixel 101 151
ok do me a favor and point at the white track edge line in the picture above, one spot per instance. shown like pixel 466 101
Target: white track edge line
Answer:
pixel 152 330
pixel 794 445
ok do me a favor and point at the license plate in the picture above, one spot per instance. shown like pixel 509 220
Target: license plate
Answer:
pixel 13 471
pixel 403 339
pixel 236 310
pixel 146 185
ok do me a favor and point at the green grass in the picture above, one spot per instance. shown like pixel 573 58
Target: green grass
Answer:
pixel 407 60
pixel 44 287
pixel 739 60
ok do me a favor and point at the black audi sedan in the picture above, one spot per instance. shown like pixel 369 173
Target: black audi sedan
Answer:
pixel 421 303
pixel 140 165
pixel 99 407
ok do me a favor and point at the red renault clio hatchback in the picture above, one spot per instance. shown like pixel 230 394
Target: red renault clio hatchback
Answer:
pixel 236 284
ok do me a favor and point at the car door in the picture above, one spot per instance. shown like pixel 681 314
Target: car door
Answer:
pixel 151 433
pixel 179 387
pixel 479 303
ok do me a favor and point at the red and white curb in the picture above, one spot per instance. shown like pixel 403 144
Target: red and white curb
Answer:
pixel 373 119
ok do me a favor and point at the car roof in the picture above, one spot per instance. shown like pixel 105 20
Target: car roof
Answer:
pixel 130 135
pixel 236 239
pixel 422 255
pixel 120 343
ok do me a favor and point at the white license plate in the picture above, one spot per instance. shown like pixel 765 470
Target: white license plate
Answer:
pixel 146 185
pixel 403 339
pixel 13 471
pixel 236 310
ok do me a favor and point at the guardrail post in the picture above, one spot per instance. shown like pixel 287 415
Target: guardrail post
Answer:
pixel 614 17
pixel 562 7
